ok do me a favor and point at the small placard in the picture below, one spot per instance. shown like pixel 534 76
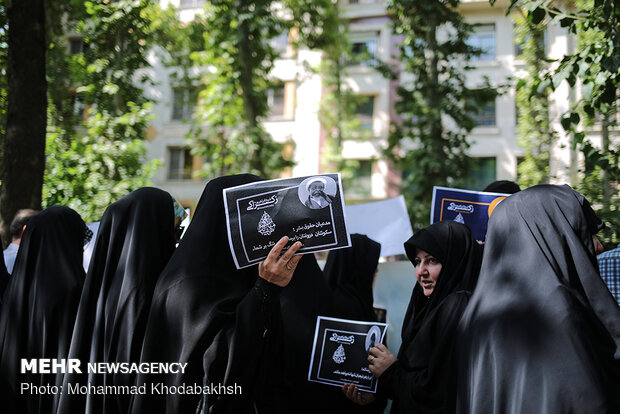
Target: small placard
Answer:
pixel 307 209
pixel 386 222
pixel 340 352
pixel 472 208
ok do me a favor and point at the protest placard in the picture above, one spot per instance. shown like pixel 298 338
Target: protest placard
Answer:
pixel 307 209
pixel 386 222
pixel 472 208
pixel 340 352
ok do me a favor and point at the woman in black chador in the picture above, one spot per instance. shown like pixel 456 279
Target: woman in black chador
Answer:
pixel 221 321
pixel 542 332
pixel 134 242
pixel 39 306
pixel 447 261
pixel 350 273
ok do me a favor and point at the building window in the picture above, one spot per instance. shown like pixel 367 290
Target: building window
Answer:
pixel 364 111
pixel 359 185
pixel 179 163
pixel 483 173
pixel 363 50
pixel 192 3
pixel 184 103
pixel 520 45
pixel 485 117
pixel 483 38
pixel 276 101
pixel 281 101
pixel 76 45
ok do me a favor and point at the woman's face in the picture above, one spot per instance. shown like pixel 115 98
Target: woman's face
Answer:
pixel 427 270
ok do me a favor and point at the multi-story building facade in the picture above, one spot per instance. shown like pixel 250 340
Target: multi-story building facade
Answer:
pixel 295 104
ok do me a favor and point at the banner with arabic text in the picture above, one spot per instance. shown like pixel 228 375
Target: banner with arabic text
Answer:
pixel 340 352
pixel 307 209
pixel 472 208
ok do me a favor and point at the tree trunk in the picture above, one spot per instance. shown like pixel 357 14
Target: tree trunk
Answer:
pixel 250 105
pixel 24 143
pixel 436 127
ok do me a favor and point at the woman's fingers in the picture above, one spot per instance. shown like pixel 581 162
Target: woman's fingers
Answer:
pixel 288 255
pixel 280 270
pixel 272 257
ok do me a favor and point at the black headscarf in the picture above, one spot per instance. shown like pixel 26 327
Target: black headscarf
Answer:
pixel 460 257
pixel 209 314
pixel 540 333
pixel 350 273
pixel 134 242
pixel 421 379
pixel 503 186
pixel 40 303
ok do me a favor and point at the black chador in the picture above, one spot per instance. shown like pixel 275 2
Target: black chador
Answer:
pixel 39 306
pixel 134 242
pixel 422 380
pixel 541 333
pixel 219 320
pixel 350 274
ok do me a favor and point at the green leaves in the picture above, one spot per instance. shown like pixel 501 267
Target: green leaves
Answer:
pixel 91 170
pixel 435 104
pixel 595 66
pixel 93 162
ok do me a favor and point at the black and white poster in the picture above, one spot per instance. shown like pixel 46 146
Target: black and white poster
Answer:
pixel 307 209
pixel 340 352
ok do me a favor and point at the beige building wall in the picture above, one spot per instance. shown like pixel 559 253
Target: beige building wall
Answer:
pixel 303 89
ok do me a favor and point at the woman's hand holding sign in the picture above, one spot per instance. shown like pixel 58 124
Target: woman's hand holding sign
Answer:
pixel 380 358
pixel 278 269
pixel 358 397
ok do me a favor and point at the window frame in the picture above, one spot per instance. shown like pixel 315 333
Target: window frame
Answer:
pixel 482 119
pixel 185 171
pixel 187 107
pixel 477 37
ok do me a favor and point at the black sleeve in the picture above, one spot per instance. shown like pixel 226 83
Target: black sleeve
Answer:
pixel 424 382
pixel 249 349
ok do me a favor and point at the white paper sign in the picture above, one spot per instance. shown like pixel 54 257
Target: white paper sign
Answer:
pixel 386 222
pixel 340 352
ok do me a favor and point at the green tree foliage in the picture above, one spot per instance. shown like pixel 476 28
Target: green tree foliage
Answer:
pixel 536 136
pixel 435 105
pixel 98 109
pixel 337 112
pixel 234 98
pixel 91 171
pixel 227 127
pixel 595 70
